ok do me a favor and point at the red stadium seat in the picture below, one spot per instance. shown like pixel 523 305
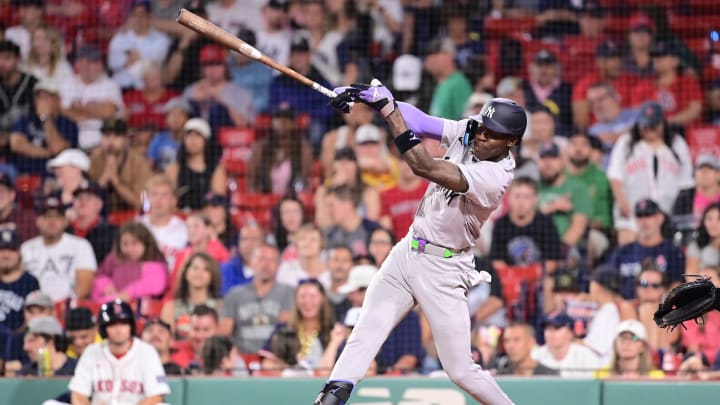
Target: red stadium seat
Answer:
pixel 237 148
pixel 703 139
pixel 500 27
pixel 520 287
pixel 119 218
pixel 253 207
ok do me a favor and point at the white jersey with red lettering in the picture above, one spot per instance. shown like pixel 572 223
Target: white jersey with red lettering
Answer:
pixel 451 219
pixel 128 380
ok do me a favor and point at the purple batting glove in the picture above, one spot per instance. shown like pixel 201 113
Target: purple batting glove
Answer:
pixel 376 96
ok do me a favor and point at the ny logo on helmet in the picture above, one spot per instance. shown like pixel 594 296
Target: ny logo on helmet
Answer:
pixel 490 111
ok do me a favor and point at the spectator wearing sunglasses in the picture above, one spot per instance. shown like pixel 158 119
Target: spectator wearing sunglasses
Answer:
pixel 650 289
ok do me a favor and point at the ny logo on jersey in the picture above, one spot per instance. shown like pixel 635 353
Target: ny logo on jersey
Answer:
pixel 449 195
pixel 490 112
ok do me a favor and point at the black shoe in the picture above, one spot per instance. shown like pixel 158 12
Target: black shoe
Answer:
pixel 334 393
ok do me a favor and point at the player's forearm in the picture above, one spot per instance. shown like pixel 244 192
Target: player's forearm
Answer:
pixel 407 362
pixel 576 230
pixel 79 399
pixel 492 305
pixel 421 123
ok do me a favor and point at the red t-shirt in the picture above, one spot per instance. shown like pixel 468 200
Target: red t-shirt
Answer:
pixel 142 112
pixel 401 205
pixel 578 56
pixel 183 354
pixel 623 85
pixel 215 249
pixel 684 90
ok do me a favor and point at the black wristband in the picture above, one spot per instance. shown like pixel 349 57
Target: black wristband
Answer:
pixel 406 141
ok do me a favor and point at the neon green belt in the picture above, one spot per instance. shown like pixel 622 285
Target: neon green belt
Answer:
pixel 423 246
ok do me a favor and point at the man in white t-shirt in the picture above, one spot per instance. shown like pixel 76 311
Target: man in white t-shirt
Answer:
pixel 310 263
pixel 274 39
pixel 91 96
pixel 560 352
pixel 169 230
pixel 131 49
pixel 232 15
pixel 604 291
pixel 64 264
pixel 31 17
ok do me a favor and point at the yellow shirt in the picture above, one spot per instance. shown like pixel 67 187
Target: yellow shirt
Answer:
pixel 653 374
pixel 70 352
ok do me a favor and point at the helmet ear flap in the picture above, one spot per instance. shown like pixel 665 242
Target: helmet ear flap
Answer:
pixel 470 131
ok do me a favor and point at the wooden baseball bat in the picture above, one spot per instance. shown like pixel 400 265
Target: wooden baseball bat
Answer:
pixel 230 41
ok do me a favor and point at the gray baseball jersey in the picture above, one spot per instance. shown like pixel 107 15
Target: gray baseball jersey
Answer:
pixel 437 284
pixel 453 219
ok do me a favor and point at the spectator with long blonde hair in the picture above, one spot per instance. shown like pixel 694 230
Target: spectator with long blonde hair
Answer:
pixel 46 60
pixel 631 357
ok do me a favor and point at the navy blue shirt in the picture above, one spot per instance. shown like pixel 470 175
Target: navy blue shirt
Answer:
pixel 12 302
pixel 628 260
pixel 30 126
pixel 301 98
pixel 405 339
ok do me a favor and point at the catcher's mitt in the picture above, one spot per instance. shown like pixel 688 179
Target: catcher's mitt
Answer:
pixel 688 301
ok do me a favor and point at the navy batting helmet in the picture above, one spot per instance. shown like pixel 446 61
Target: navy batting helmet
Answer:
pixel 502 116
pixel 115 311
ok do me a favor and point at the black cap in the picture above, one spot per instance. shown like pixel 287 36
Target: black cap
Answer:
pixel 28 3
pixel 9 239
pixel 156 321
pixel 549 149
pixel 284 110
pixel 146 4
pixel 608 277
pixel 545 57
pixel 279 4
pixel 114 125
pixel 299 44
pixel 663 49
pixel 503 116
pixel 248 36
pixel 216 200
pixel 51 203
pixel 646 207
pixel 89 51
pixel 79 318
pixel 7 181
pixel 346 153
pixel 559 320
pixel 9 46
pixel 650 114
pixel 89 186
pixel 592 8
pixel 607 49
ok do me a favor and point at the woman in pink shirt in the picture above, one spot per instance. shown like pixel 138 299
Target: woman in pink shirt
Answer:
pixel 135 268
pixel 704 339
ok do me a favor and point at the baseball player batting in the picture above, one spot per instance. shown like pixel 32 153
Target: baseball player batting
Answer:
pixel 433 265
pixel 122 370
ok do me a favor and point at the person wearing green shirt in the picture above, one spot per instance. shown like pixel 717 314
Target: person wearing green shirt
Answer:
pixel 566 200
pixel 453 88
pixel 581 168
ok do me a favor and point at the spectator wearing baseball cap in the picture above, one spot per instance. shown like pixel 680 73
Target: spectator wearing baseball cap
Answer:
pixel 631 355
pixel 145 106
pixel 221 101
pixel 42 254
pixel 91 96
pixel 121 171
pixel 132 48
pixel 15 284
pixel 651 244
pixel 605 283
pixel 159 335
pixel 546 87
pixel 453 87
pixel 197 170
pixel 69 169
pixel 637 60
pixel 88 221
pixel 163 147
pixel 691 202
pixel 81 329
pixel 250 74
pixel 41 133
pixel 45 333
pixel 608 69
pixel 560 351
pixel 679 93
pixel 651 160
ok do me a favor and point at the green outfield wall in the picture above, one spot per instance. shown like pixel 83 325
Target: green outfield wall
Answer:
pixel 395 391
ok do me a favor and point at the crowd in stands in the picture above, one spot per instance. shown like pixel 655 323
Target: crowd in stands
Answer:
pixel 243 218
